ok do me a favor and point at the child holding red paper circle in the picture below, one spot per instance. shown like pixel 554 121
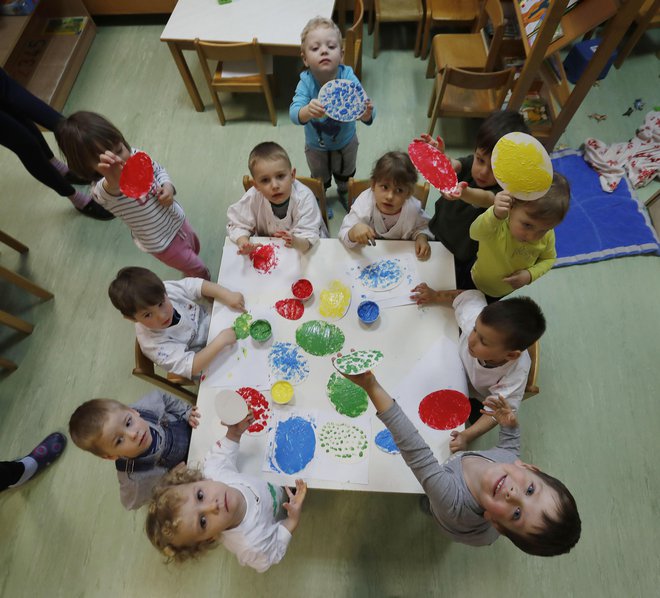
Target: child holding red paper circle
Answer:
pixel 96 149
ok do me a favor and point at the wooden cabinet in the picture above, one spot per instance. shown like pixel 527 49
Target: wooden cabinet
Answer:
pixel 129 7
pixel 44 51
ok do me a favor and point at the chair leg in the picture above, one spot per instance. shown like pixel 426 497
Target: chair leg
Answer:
pixel 418 39
pixel 372 11
pixel 434 107
pixel 376 38
pixel 429 112
pixel 270 104
pixel 24 283
pixel 7 364
pixel 218 107
pixel 16 323
pixel 13 243
pixel 425 37
pixel 430 67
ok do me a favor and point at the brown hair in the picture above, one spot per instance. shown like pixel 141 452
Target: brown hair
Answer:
pixel 134 289
pixel 82 137
pixel 395 167
pixel 559 534
pixel 519 319
pixel 318 23
pixel 163 515
pixel 553 206
pixel 267 150
pixel 87 421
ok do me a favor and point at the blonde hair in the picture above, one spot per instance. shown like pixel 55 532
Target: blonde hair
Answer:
pixel 163 516
pixel 553 206
pixel 87 421
pixel 318 23
pixel 267 150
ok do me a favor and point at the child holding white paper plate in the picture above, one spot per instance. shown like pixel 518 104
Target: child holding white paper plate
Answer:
pixel 330 145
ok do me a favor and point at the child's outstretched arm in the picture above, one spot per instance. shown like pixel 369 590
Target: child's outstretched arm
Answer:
pixel 232 299
pixel 423 294
pixel 294 506
pixel 110 166
pixel 202 359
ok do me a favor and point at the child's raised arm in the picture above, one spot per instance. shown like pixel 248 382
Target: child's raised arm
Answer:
pixel 110 166
pixel 232 299
pixel 294 506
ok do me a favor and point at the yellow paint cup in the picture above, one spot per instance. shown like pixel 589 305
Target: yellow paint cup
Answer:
pixel 282 392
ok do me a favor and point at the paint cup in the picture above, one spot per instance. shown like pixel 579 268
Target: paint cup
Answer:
pixel 260 330
pixel 302 289
pixel 282 392
pixel 368 312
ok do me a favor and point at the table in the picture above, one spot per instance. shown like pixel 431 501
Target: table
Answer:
pixel 404 334
pixel 277 25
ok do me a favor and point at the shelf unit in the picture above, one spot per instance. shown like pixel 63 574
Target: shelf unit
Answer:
pixel 46 64
pixel 130 7
pixel 563 101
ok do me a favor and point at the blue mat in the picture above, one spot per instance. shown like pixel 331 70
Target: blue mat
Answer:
pixel 599 226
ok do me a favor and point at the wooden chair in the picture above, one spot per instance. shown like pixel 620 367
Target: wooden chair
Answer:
pixel 470 51
pixel 357 186
pixel 454 13
pixel 241 67
pixel 531 388
pixel 647 18
pixel 145 370
pixel 459 93
pixel 397 11
pixel 353 40
pixel 314 185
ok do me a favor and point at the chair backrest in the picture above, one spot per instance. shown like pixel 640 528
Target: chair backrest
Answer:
pixel 357 186
pixel 314 185
pixel 353 39
pixel 531 388
pixel 499 82
pixel 491 10
pixel 145 369
pixel 234 52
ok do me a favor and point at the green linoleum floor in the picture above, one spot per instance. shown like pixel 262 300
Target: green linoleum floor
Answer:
pixel 594 424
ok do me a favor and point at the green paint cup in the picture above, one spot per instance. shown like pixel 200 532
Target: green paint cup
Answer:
pixel 260 330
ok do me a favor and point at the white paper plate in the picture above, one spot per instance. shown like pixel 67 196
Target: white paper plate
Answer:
pixel 230 407
pixel 343 100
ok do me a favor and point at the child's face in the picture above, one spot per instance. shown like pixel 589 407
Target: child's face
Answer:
pixel 156 317
pixel 322 53
pixel 124 435
pixel 526 228
pixel 122 152
pixel 274 178
pixel 482 172
pixel 515 498
pixel 390 197
pixel 208 508
pixel 488 344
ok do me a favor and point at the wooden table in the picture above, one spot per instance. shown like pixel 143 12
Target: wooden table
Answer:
pixel 277 25
pixel 404 334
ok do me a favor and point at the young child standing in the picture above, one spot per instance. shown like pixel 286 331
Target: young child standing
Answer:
pixel 493 349
pixel 277 205
pixel 191 512
pixel 475 496
pixel 145 439
pixel 172 319
pixel 330 146
pixel 387 210
pixel 516 239
pixel 95 149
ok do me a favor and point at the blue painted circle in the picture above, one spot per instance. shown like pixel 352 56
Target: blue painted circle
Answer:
pixel 295 444
pixel 385 442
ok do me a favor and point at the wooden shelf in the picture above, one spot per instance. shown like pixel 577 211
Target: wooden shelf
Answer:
pixel 11 29
pixel 130 7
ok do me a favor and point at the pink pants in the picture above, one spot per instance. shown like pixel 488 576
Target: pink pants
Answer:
pixel 182 253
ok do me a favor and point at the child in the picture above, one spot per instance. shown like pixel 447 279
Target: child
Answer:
pixel 330 146
pixel 145 439
pixel 477 495
pixel 493 348
pixel 191 511
pixel 454 213
pixel 171 320
pixel 277 205
pixel 95 149
pixel 387 210
pixel 516 240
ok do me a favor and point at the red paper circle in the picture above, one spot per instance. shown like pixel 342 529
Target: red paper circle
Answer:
pixel 291 309
pixel 444 409
pixel 137 176
pixel 258 404
pixel 433 165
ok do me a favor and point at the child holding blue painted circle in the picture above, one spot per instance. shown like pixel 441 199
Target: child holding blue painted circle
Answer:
pixel 387 209
pixel 192 511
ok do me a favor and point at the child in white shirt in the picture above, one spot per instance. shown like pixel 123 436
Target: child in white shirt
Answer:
pixel 388 210
pixel 276 206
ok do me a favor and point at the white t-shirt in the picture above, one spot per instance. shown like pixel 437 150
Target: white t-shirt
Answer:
pixel 508 380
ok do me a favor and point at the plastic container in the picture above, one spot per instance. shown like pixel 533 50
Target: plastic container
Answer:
pixel 302 289
pixel 368 312
pixel 282 392
pixel 580 55
pixel 260 330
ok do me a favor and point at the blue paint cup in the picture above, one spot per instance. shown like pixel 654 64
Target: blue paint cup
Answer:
pixel 368 312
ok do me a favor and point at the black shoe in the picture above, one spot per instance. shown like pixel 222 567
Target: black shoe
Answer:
pixel 74 179
pixel 94 210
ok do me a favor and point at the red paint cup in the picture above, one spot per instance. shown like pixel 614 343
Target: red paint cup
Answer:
pixel 302 289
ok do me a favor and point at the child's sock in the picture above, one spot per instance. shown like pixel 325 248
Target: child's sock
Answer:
pixel 80 200
pixel 41 456
pixel 60 166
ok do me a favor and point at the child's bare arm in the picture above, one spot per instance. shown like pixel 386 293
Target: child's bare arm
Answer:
pixel 423 294
pixel 235 431
pixel 422 247
pixel 203 358
pixel 479 198
pixel 232 299
pixel 363 234
pixel 460 440
pixel 294 506
pixel 110 166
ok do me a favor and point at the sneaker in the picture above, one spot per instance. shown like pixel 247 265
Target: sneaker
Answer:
pixel 45 453
pixel 330 212
pixel 94 210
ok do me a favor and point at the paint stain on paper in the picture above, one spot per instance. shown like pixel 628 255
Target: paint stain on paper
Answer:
pixel 264 258
pixel 242 326
pixel 381 275
pixel 291 309
pixel 320 338
pixel 444 409
pixel 433 165
pixel 344 442
pixel 348 398
pixel 521 167
pixel 357 362
pixel 385 442
pixel 288 363
pixel 295 444
pixel 259 407
pixel 335 300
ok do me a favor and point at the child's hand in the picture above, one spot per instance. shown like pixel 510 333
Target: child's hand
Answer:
pixel 227 337
pixel 166 195
pixel 422 248
pixel 437 143
pixel 366 116
pixel 110 166
pixel 363 234
pixel 292 241
pixel 193 417
pixel 502 205
pixel 518 279
pixel 235 431
pixel 456 193
pixel 457 442
pixel 423 294
pixel 235 300
pixel 294 506
pixel 363 380
pixel 245 247
pixel 500 410
pixel 315 109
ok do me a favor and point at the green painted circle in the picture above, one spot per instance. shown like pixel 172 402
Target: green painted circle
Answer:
pixel 320 338
pixel 242 326
pixel 348 398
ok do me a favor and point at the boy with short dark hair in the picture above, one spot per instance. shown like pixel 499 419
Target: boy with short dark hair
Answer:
pixel 172 319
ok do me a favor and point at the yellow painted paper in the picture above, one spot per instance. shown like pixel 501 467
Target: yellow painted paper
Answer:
pixel 521 167
pixel 335 300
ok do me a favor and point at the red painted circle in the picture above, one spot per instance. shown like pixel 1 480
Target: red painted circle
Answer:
pixel 137 176
pixel 291 309
pixel 433 165
pixel 259 407
pixel 444 409
pixel 302 289
pixel 264 258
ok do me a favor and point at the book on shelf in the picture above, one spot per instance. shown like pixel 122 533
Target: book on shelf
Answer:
pixel 533 12
pixel 17 7
pixel 535 111
pixel 65 26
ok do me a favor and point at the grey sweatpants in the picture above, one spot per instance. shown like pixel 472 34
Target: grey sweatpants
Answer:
pixel 338 163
